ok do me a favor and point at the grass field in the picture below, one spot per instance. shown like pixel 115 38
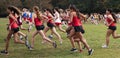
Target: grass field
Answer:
pixel 95 35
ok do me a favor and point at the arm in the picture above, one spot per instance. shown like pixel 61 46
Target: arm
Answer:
pixel 71 17
pixel 15 20
pixel 82 15
pixel 22 28
pixel 44 17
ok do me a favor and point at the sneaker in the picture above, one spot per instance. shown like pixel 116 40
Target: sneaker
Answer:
pixel 21 37
pixel 12 36
pixel 27 42
pixel 50 36
pixel 30 48
pixel 74 50
pixel 54 45
pixel 104 46
pixel 30 28
pixel 90 52
pixel 4 52
pixel 61 42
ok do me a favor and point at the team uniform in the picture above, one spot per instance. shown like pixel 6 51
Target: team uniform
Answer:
pixel 77 24
pixel 30 17
pixel 50 22
pixel 112 25
pixel 25 16
pixel 13 25
pixel 38 24
pixel 57 19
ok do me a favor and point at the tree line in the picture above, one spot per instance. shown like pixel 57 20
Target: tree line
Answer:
pixel 85 6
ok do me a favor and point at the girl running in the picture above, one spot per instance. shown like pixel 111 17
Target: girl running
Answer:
pixel 58 19
pixel 76 23
pixel 38 19
pixel 51 26
pixel 21 34
pixel 110 19
pixel 14 12
pixel 63 16
pixel 74 39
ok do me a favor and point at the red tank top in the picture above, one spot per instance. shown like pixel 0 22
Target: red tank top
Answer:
pixel 37 21
pixel 76 21
pixel 12 23
pixel 50 19
pixel 109 21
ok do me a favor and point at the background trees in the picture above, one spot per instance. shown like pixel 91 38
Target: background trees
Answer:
pixel 86 6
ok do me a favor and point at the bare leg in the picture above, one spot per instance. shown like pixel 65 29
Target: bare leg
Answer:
pixel 71 38
pixel 20 33
pixel 60 28
pixel 8 39
pixel 16 40
pixel 79 45
pixel 109 32
pixel 57 34
pixel 33 38
pixel 72 33
pixel 83 40
pixel 44 37
pixel 115 36
pixel 46 29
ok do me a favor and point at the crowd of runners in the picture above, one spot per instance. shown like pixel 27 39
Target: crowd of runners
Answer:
pixel 43 20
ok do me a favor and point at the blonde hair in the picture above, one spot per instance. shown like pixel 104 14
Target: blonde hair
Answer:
pixel 36 8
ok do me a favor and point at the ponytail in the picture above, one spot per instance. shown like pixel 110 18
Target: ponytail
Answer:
pixel 78 13
pixel 39 15
pixel 114 17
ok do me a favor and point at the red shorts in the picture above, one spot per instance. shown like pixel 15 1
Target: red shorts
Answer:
pixel 29 19
pixel 57 24
pixel 25 19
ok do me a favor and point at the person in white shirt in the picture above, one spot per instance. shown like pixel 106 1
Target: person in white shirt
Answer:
pixel 57 19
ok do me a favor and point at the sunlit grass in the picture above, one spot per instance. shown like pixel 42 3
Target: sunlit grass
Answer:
pixel 95 35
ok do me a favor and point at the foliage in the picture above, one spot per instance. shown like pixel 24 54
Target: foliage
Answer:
pixel 86 6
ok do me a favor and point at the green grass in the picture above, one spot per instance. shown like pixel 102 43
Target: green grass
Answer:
pixel 95 35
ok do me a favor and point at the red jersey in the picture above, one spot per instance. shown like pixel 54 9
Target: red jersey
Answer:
pixel 37 21
pixel 12 23
pixel 50 19
pixel 109 21
pixel 76 21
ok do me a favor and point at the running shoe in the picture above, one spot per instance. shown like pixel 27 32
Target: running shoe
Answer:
pixel 54 45
pixel 50 36
pixel 105 46
pixel 4 52
pixel 90 52
pixel 73 50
